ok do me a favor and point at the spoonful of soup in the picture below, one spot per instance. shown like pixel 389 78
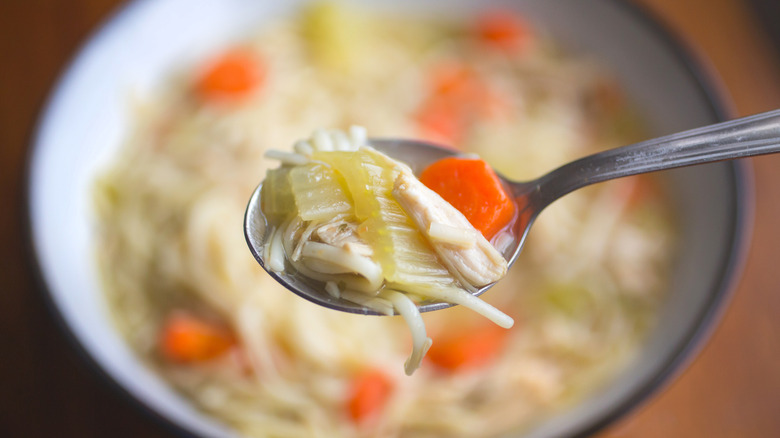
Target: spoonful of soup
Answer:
pixel 348 226
pixel 384 226
pixel 343 190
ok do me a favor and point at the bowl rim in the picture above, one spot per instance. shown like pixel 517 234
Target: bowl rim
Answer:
pixel 702 75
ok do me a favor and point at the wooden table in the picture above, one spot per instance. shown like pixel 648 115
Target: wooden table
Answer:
pixel 732 389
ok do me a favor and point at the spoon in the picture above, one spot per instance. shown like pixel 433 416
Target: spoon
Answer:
pixel 745 137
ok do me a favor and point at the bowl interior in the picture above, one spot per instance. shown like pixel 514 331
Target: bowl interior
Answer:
pixel 87 117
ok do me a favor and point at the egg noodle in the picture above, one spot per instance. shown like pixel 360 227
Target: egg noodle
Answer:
pixel 170 208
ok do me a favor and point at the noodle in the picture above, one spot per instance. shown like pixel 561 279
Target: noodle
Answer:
pixel 420 341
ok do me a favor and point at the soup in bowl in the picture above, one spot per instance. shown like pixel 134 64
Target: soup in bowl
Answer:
pixel 598 296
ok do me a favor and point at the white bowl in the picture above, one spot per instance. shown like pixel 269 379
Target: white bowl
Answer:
pixel 86 119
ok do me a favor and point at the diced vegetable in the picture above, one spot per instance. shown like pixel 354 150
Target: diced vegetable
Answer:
pixel 440 122
pixel 503 30
pixel 233 75
pixel 406 260
pixel 456 82
pixel 571 299
pixel 186 338
pixel 472 187
pixel 350 167
pixel 320 193
pixel 468 348
pixel 457 97
pixel 277 196
pixel 333 34
pixel 368 394
pixel 444 115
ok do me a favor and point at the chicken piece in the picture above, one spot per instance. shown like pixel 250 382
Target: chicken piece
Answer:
pixel 477 265
pixel 333 251
pixel 343 234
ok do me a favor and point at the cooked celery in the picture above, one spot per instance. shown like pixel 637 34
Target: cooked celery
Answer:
pixel 333 35
pixel 350 167
pixel 319 194
pixel 277 194
pixel 399 247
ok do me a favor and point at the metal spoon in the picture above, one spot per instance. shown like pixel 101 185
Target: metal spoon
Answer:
pixel 745 137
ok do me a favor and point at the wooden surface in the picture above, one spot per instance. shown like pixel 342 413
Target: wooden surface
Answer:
pixel 731 389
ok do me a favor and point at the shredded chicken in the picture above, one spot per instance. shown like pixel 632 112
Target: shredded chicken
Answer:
pixel 478 265
pixel 342 233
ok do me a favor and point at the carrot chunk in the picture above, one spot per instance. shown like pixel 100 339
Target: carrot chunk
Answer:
pixel 457 96
pixel 503 30
pixel 231 76
pixel 456 81
pixel 186 338
pixel 440 122
pixel 467 349
pixel 472 187
pixel 368 394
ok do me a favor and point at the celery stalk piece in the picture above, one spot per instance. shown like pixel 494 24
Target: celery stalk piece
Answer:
pixel 350 166
pixel 335 35
pixel 320 193
pixel 277 197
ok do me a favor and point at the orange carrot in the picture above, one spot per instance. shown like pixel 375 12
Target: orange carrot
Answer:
pixel 473 188
pixel 444 115
pixel 457 96
pixel 439 122
pixel 503 30
pixel 368 394
pixel 455 81
pixel 231 76
pixel 459 85
pixel 186 338
pixel 467 349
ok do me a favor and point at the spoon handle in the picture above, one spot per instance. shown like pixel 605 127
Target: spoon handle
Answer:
pixel 745 137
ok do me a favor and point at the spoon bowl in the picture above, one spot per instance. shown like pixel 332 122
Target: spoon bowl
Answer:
pixel 739 138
